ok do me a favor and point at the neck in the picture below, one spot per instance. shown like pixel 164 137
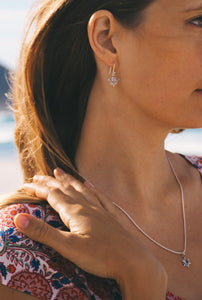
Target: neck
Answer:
pixel 121 152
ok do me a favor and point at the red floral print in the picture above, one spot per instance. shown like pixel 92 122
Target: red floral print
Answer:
pixel 38 270
pixel 31 283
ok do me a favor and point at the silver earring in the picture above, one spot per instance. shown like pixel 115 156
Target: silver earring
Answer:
pixel 113 80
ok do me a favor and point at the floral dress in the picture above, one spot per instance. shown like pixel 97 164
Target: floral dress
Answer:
pixel 38 270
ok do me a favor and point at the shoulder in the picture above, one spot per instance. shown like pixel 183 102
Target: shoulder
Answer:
pixel 41 211
pixel 26 264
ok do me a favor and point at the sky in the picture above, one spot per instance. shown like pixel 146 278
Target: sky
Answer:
pixel 12 20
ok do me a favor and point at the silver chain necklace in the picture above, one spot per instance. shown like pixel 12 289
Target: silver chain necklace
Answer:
pixel 185 261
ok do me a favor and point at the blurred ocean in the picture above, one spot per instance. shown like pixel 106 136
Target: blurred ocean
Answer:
pixel 12 20
pixel 10 173
pixel 188 142
pixel 7 125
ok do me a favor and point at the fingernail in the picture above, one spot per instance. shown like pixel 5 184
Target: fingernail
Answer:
pixel 88 184
pixel 22 221
pixel 59 172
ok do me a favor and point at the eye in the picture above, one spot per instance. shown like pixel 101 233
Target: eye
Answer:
pixel 196 21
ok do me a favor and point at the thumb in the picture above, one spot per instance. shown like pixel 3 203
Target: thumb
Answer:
pixel 40 231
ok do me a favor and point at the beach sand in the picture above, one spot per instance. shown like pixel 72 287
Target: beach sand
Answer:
pixel 11 176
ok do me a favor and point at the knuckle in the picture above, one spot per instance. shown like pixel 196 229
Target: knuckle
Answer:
pixel 53 194
pixel 69 189
pixel 42 231
pixel 39 191
pixel 40 179
pixel 80 187
pixel 53 191
pixel 66 178
pixel 79 209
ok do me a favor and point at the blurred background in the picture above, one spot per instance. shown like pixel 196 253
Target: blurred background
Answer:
pixel 12 20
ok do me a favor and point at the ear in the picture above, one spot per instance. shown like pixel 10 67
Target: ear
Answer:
pixel 102 34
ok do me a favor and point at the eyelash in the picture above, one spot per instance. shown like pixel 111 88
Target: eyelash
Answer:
pixel 195 19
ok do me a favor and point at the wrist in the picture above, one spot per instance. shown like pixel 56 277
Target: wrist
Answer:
pixel 141 275
pixel 150 283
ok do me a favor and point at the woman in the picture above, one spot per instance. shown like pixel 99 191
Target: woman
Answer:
pixel 133 209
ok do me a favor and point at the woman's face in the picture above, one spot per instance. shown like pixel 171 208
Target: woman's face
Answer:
pixel 161 63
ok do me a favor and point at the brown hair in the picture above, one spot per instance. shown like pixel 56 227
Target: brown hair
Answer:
pixel 53 80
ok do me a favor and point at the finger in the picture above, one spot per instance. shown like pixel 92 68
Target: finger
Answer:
pixel 89 189
pixel 37 190
pixel 52 182
pixel 64 186
pixel 38 230
pixel 67 184
pixel 56 198
pixel 106 202
pixel 83 188
pixel 47 180
pixel 63 204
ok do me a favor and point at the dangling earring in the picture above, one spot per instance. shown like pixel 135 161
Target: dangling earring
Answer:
pixel 113 80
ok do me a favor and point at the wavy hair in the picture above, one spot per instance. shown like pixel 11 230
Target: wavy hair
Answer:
pixel 53 80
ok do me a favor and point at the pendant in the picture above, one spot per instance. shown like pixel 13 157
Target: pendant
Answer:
pixel 113 80
pixel 186 262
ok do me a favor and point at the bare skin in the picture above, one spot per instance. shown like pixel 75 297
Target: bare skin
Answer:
pixel 121 149
pixel 158 78
pixel 124 154
pixel 90 216
pixel 10 294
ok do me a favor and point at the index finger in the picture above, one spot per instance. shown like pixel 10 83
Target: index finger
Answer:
pixel 89 190
pixel 84 188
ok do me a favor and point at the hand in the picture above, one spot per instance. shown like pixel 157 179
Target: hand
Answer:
pixel 97 242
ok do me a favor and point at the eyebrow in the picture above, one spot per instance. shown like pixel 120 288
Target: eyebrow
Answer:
pixel 194 8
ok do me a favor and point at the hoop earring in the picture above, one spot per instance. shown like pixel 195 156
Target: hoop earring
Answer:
pixel 113 80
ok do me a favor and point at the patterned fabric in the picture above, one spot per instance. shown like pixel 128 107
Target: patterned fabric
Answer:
pixel 38 270
pixel 35 269
pixel 195 160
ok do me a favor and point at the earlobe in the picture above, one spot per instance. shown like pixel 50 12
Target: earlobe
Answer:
pixel 101 32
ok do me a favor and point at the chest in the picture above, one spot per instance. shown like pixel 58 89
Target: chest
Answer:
pixel 183 282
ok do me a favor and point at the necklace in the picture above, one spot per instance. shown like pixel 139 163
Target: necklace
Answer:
pixel 185 261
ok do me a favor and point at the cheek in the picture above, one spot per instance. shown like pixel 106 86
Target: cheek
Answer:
pixel 170 68
pixel 165 69
pixel 164 77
